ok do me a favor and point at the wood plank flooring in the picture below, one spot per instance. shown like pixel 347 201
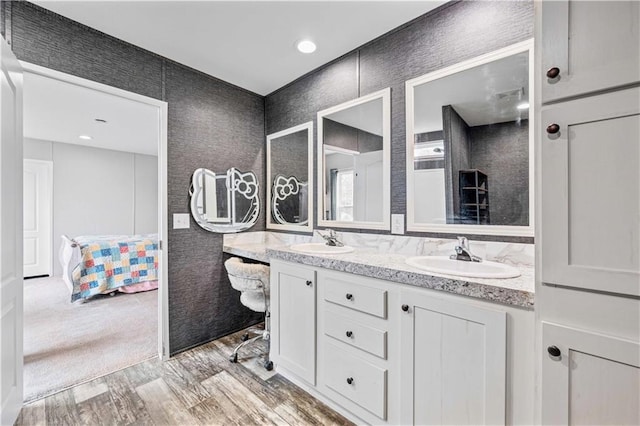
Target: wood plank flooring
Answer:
pixel 197 387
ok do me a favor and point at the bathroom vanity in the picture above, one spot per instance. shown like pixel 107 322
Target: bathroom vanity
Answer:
pixel 385 343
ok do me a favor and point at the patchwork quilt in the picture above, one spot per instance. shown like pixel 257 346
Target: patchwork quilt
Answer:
pixel 111 262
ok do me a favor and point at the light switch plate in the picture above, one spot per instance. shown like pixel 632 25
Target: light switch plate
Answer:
pixel 397 224
pixel 181 221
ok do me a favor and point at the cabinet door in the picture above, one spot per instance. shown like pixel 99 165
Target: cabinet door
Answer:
pixel 591 193
pixel 594 44
pixel 293 319
pixel 453 362
pixel 594 380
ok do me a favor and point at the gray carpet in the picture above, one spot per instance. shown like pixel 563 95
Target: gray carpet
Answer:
pixel 67 344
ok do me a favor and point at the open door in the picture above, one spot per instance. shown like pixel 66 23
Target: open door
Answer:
pixel 10 235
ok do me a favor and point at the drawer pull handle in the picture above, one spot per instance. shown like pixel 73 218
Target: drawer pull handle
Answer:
pixel 554 351
pixel 349 296
pixel 553 72
pixel 405 308
pixel 309 282
pixel 349 333
pixel 350 380
pixel 552 129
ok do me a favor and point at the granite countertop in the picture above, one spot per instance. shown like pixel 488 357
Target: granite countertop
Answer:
pixel 392 267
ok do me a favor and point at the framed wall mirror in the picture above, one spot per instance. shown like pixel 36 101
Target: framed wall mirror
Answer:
pixel 290 179
pixel 354 163
pixel 224 202
pixel 470 146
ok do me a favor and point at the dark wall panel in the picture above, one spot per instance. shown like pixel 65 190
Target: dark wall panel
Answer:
pixel 211 124
pixel 44 38
pixel 452 33
pixel 217 127
pixel 502 152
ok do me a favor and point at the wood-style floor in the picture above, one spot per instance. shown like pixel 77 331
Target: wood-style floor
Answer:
pixel 197 387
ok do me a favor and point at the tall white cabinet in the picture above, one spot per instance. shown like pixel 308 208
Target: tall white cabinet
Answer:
pixel 588 286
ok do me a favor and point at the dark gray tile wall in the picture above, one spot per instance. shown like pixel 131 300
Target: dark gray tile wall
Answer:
pixel 457 157
pixel 502 152
pixel 289 156
pixel 443 37
pixel 211 124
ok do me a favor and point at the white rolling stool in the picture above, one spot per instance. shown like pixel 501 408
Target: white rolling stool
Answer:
pixel 252 281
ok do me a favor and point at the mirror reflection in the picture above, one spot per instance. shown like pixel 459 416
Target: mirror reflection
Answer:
pixel 289 171
pixel 470 145
pixel 226 202
pixel 355 154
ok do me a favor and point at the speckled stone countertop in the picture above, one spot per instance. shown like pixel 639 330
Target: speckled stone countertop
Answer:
pixel 390 266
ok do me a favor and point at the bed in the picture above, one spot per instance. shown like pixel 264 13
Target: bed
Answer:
pixel 103 264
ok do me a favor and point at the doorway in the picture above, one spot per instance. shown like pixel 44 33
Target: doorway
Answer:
pixel 97 190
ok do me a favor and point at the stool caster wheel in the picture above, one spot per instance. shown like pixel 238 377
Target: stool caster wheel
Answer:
pixel 245 337
pixel 268 365
pixel 234 358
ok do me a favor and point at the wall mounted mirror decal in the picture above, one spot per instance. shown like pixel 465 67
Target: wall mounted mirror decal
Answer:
pixel 226 202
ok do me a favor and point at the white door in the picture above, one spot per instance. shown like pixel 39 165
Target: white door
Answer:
pixel 453 367
pixel 37 217
pixel 367 189
pixel 10 235
pixel 293 321
pixel 592 45
pixel 591 193
pixel 589 378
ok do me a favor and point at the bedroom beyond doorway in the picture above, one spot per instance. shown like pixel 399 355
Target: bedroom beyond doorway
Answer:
pixel 95 301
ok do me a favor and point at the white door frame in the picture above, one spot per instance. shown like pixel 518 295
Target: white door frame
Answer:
pixel 49 165
pixel 163 291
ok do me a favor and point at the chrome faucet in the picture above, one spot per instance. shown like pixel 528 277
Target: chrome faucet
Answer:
pixel 331 239
pixel 463 252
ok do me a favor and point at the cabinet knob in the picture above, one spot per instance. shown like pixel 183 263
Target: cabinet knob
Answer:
pixel 552 129
pixel 553 72
pixel 405 308
pixel 349 333
pixel 350 380
pixel 349 296
pixel 554 351
pixel 309 282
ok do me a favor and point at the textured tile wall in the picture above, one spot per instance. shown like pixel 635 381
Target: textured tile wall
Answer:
pixel 443 37
pixel 211 124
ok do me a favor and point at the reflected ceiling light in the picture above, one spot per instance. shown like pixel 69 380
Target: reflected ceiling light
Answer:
pixel 524 105
pixel 85 137
pixel 306 46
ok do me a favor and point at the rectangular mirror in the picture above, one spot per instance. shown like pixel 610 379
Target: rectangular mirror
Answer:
pixel 470 146
pixel 353 163
pixel 290 174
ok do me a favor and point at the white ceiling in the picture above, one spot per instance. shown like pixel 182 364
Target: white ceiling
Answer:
pixel 60 112
pixel 247 43
pixel 485 94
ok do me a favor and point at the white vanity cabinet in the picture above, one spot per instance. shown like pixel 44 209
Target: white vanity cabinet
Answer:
pixel 442 358
pixel 453 361
pixel 293 319
pixel 591 45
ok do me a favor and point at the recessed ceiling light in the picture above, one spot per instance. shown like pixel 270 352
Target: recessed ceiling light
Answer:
pixel 524 105
pixel 306 46
pixel 85 137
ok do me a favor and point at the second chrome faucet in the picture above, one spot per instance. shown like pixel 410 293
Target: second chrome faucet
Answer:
pixel 463 252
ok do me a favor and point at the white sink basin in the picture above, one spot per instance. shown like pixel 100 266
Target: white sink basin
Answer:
pixel 320 248
pixel 444 265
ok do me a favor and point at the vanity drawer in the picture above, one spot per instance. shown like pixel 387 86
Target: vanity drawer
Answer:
pixel 355 334
pixel 357 380
pixel 362 298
